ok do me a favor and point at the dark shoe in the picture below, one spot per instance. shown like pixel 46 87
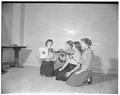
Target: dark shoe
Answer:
pixel 12 65
pixel 89 80
pixel 43 75
pixel 4 71
pixel 49 76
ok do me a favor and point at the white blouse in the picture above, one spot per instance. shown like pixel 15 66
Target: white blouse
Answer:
pixel 75 58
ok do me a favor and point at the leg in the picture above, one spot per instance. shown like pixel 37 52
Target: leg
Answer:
pixel 57 71
pixel 17 57
pixel 42 69
pixel 90 77
pixel 77 80
pixel 52 68
pixel 61 74
pixel 2 67
pixel 49 69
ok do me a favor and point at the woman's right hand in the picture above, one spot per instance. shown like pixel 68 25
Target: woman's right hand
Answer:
pixel 60 69
pixel 77 73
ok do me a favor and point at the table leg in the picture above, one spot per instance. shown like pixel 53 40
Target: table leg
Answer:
pixel 17 64
pixel 2 67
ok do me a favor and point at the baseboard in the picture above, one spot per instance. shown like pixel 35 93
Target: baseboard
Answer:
pixel 106 71
pixel 31 64
pixel 95 69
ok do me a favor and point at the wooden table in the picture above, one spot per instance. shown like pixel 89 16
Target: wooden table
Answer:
pixel 16 48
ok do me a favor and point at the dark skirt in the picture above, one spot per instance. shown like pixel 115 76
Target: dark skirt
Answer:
pixel 60 75
pixel 47 68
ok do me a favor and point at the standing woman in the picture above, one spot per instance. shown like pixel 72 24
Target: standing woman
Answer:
pixel 85 72
pixel 71 65
pixel 47 66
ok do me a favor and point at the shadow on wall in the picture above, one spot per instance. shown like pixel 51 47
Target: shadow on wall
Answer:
pixel 114 66
pixel 98 74
pixel 7 17
pixel 101 77
pixel 6 36
pixel 97 64
pixel 25 53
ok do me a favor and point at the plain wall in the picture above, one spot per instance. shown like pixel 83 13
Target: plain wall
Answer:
pixel 13 30
pixel 63 22
pixel 6 33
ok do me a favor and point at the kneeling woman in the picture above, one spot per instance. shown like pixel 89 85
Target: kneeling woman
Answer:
pixel 85 72
pixel 47 66
pixel 71 65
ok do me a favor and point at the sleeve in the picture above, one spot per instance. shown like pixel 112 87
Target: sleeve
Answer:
pixel 86 60
pixel 77 58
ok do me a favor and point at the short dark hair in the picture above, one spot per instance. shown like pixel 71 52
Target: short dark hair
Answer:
pixel 78 45
pixel 70 43
pixel 87 41
pixel 49 40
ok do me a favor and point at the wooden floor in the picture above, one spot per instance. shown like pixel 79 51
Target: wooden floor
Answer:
pixel 28 80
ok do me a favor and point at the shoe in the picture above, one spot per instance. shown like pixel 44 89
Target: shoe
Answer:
pixel 89 80
pixel 49 76
pixel 43 75
pixel 12 65
pixel 4 71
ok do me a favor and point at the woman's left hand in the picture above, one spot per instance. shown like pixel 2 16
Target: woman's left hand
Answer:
pixel 68 74
pixel 77 73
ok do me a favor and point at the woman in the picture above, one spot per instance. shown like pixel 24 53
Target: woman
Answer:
pixel 61 58
pixel 85 73
pixel 72 63
pixel 47 66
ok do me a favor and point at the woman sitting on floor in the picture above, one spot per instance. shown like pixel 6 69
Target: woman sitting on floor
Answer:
pixel 72 63
pixel 85 72
pixel 61 54
pixel 62 58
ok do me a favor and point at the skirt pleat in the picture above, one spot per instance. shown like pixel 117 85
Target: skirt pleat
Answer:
pixel 47 68
pixel 61 75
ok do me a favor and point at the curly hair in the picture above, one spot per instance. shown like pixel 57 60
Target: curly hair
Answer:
pixel 49 40
pixel 70 43
pixel 78 46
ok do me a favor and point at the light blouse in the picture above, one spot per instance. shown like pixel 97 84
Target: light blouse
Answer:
pixel 87 56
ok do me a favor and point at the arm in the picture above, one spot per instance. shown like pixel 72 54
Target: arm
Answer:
pixel 54 57
pixel 77 59
pixel 86 61
pixel 74 69
pixel 65 65
pixel 77 62
pixel 80 71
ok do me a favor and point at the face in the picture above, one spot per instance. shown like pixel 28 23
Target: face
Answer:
pixel 49 44
pixel 74 48
pixel 67 46
pixel 83 45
